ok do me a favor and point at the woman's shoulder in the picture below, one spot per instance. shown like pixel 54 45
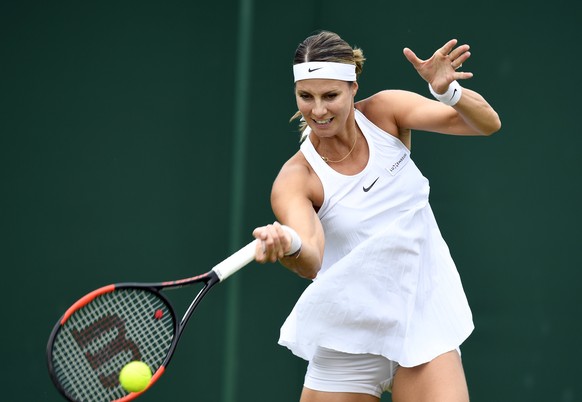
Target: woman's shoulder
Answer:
pixel 296 163
pixel 381 100
pixel 295 170
pixel 297 178
pixel 380 109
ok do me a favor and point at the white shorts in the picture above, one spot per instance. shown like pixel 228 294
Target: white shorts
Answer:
pixel 333 371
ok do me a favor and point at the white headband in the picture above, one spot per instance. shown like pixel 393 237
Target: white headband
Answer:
pixel 324 70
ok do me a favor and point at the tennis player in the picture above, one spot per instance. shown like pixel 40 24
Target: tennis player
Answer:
pixel 386 310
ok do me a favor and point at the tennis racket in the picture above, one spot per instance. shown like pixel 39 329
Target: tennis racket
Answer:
pixel 115 324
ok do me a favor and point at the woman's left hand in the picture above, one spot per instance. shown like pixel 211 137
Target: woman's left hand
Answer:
pixel 441 69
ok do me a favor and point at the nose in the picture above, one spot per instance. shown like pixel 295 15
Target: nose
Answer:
pixel 319 109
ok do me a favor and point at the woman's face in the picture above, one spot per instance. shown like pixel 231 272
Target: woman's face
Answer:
pixel 325 104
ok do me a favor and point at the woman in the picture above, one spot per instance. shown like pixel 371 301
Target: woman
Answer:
pixel 386 310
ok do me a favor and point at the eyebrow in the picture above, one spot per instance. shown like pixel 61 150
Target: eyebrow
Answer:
pixel 324 93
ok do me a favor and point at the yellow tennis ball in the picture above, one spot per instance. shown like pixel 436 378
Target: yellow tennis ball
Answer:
pixel 135 376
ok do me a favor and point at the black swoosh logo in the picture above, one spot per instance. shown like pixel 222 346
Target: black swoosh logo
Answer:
pixel 366 189
pixel 454 92
pixel 314 69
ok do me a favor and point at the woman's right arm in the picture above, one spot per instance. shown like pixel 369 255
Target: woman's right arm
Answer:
pixel 291 201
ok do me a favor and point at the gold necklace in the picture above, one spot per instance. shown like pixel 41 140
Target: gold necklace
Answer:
pixel 327 160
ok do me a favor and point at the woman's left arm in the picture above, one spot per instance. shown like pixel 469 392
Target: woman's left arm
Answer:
pixel 477 113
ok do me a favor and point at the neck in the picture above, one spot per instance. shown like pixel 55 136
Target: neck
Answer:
pixel 329 157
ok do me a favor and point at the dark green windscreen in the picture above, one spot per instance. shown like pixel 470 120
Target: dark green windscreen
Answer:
pixel 118 126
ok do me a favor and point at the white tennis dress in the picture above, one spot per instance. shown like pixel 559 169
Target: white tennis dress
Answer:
pixel 387 285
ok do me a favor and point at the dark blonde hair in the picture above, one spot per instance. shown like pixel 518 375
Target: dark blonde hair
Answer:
pixel 327 46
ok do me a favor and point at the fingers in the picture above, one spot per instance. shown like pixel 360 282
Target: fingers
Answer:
pixel 449 50
pixel 446 49
pixel 459 51
pixel 273 243
pixel 260 252
pixel 457 63
pixel 411 56
pixel 459 56
pixel 463 75
pixel 456 56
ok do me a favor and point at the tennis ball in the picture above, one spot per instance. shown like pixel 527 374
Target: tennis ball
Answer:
pixel 135 376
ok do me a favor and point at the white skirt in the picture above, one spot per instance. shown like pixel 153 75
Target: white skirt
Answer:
pixel 398 294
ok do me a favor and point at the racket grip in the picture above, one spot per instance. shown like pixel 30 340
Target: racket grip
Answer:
pixel 236 261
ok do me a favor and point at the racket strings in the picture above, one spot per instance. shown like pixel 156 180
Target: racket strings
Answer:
pixel 100 338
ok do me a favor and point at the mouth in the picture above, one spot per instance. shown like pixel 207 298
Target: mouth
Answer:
pixel 323 122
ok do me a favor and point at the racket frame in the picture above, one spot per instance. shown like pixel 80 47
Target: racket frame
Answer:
pixel 216 275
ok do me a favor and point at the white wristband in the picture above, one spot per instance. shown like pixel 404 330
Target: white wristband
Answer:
pixel 295 242
pixel 451 97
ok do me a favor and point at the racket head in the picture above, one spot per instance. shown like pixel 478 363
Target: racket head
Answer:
pixel 102 332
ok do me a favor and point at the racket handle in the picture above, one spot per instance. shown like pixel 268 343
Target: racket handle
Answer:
pixel 236 261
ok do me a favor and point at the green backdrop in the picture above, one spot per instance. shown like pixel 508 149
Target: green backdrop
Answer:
pixel 139 141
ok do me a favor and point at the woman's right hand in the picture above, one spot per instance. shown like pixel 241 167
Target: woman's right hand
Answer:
pixel 274 242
